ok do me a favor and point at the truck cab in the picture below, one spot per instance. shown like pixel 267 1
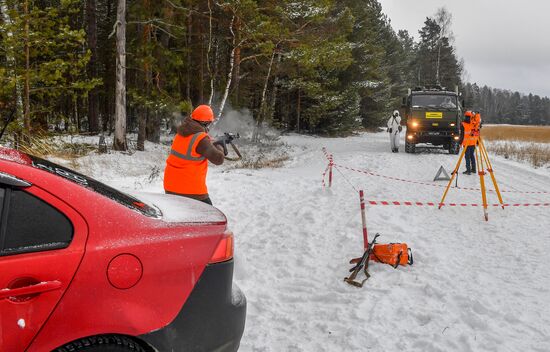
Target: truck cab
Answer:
pixel 433 116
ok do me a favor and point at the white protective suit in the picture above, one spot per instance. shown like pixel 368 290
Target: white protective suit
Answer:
pixel 394 128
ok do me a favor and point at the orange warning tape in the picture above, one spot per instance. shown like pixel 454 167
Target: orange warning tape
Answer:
pixel 328 156
pixel 435 204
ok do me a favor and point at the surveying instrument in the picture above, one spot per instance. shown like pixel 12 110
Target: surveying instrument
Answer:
pixel 483 164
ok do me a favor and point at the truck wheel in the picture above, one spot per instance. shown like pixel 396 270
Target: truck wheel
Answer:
pixel 454 148
pixel 103 343
pixel 410 147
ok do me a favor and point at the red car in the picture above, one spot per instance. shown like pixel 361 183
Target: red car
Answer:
pixel 84 267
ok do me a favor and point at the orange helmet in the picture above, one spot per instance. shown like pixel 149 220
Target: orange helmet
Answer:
pixel 203 113
pixel 468 113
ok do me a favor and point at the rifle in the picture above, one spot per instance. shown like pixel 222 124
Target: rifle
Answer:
pixel 226 139
pixel 362 264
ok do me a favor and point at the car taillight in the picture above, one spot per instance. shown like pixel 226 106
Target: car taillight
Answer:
pixel 224 250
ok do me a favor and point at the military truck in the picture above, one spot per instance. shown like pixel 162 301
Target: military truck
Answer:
pixel 433 116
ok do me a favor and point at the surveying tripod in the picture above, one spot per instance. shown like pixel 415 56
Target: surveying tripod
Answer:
pixel 483 163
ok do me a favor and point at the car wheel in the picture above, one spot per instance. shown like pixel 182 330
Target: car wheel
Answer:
pixel 410 147
pixel 103 343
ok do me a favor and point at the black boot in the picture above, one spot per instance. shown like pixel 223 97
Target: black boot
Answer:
pixel 467 172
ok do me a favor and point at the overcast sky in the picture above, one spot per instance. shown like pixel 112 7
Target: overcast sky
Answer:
pixel 504 43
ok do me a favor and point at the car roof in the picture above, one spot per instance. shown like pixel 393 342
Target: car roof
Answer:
pixel 9 154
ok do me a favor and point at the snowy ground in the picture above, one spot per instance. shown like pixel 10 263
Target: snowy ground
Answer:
pixel 474 286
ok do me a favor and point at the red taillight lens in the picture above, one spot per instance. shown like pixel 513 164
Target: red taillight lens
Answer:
pixel 224 250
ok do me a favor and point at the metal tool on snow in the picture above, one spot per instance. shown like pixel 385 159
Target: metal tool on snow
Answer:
pixel 362 263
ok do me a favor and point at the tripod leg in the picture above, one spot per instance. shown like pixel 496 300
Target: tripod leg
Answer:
pixel 491 172
pixel 481 172
pixel 455 172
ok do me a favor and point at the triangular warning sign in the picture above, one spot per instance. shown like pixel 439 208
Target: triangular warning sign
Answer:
pixel 439 177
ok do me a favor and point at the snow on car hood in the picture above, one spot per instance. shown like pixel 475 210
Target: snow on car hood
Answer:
pixel 181 209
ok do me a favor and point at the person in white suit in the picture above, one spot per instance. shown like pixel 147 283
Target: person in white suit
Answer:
pixel 394 128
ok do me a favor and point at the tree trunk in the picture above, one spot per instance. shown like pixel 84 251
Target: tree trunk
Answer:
pixel 237 75
pixel 209 68
pixel 93 103
pixel 201 74
pixel 146 85
pixel 119 141
pixel 188 55
pixel 438 63
pixel 275 88
pixel 26 98
pixel 11 62
pixel 261 115
pixel 298 111
pixel 230 73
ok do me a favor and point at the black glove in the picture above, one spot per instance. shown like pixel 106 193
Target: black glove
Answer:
pixel 399 128
pixel 389 130
pixel 222 143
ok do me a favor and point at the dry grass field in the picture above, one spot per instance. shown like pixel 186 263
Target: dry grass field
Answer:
pixel 537 134
pixel 527 143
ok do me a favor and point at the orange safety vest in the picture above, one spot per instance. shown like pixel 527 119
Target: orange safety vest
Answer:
pixel 185 171
pixel 469 138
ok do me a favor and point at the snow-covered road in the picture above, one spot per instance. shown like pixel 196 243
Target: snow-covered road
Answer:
pixel 474 286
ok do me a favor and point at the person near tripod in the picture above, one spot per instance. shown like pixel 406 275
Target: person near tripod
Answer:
pixel 468 139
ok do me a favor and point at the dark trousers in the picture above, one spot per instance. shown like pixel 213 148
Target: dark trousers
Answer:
pixel 470 158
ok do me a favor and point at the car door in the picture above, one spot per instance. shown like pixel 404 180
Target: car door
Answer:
pixel 42 241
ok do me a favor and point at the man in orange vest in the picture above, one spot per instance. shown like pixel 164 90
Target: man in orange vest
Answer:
pixel 187 164
pixel 468 139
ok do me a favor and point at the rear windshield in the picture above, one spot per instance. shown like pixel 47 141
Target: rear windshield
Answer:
pixel 96 186
pixel 434 101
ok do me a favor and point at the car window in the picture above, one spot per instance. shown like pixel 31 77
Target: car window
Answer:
pixel 96 186
pixel 435 101
pixel 28 224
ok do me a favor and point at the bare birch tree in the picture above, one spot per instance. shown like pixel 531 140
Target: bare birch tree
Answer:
pixel 444 20
pixel 230 72
pixel 119 142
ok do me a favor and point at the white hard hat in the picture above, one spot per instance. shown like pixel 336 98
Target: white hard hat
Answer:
pixel 395 113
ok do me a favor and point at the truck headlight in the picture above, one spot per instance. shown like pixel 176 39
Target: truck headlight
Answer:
pixel 414 124
pixel 452 124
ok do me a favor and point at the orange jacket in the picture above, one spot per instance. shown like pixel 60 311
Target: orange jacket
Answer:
pixel 186 170
pixel 469 138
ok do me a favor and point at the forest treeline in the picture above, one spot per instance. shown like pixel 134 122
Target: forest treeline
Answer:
pixel 314 66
